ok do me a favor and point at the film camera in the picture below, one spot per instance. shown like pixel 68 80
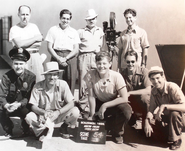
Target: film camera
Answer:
pixel 110 32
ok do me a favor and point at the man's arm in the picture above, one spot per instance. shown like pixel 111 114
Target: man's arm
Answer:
pixel 27 42
pixel 92 103
pixel 146 90
pixel 144 57
pixel 122 99
pixel 148 128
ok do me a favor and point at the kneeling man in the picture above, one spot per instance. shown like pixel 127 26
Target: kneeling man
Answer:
pixel 52 102
pixel 170 117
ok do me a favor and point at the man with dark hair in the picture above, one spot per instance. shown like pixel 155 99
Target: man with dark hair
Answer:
pixel 27 35
pixel 133 38
pixel 168 121
pixel 62 43
pixel 138 86
pixel 15 90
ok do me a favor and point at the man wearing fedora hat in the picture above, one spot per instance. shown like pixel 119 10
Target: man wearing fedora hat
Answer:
pixel 15 90
pixel 91 38
pixel 168 120
pixel 52 101
pixel 62 42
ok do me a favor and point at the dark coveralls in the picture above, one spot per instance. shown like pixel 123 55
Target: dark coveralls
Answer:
pixel 14 88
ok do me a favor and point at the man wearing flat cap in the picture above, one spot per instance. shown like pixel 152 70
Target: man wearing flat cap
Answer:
pixel 15 90
pixel 169 118
pixel 91 38
pixel 52 103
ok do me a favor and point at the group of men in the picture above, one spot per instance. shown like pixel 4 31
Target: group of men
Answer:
pixel 51 100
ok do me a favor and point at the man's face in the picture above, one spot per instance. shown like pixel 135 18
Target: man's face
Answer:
pixel 91 22
pixel 65 20
pixel 130 19
pixel 131 62
pixel 157 81
pixel 18 66
pixel 24 15
pixel 51 78
pixel 103 66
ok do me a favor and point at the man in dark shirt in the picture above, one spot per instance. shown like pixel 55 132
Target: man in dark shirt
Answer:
pixel 15 90
pixel 138 86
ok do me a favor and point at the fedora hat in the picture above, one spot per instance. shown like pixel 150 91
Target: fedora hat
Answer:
pixel 91 14
pixel 51 67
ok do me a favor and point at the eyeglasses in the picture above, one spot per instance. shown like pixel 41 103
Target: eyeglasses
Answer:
pixel 128 62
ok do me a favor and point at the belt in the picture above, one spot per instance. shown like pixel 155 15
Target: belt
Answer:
pixel 83 53
pixel 62 50
pixel 33 51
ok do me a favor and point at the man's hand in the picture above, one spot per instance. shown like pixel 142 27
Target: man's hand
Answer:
pixel 101 112
pixel 62 61
pixel 148 128
pixel 160 112
pixel 54 115
pixel 12 107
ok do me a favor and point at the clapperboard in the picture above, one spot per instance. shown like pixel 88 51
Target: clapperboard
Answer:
pixel 91 132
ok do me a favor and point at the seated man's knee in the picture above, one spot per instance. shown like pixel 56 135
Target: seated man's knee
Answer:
pixel 75 112
pixel 29 117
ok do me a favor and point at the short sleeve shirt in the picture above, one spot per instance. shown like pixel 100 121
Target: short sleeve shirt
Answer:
pixel 27 32
pixel 62 39
pixel 135 40
pixel 105 89
pixel 172 95
pixel 139 79
pixel 41 97
pixel 91 40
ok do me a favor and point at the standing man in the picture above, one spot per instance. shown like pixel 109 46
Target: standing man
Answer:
pixel 91 42
pixel 15 90
pixel 62 43
pixel 27 35
pixel 170 115
pixel 138 86
pixel 133 38
pixel 52 101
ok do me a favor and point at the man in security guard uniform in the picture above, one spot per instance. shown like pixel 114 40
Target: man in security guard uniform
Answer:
pixel 15 90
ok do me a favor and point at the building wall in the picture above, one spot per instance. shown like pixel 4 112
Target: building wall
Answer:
pixel 164 20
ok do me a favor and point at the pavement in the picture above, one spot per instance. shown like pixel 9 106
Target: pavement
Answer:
pixel 134 140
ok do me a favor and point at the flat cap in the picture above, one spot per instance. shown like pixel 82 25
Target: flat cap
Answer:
pixel 155 69
pixel 19 54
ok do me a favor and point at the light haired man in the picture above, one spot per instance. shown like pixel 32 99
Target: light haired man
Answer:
pixel 27 35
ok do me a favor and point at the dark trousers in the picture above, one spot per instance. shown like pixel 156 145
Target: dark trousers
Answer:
pixel 116 117
pixel 6 122
pixel 170 128
pixel 140 104
pixel 70 72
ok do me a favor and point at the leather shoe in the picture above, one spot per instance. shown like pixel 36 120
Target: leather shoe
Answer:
pixel 175 145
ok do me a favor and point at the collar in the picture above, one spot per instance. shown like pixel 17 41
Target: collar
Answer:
pixel 155 91
pixel 95 28
pixel 44 86
pixel 134 30
pixel 138 71
pixel 108 79
pixel 67 28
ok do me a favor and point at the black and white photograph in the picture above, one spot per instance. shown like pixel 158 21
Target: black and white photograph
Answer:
pixel 88 75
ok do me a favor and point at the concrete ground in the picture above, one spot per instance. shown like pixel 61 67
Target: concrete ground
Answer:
pixel 134 140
